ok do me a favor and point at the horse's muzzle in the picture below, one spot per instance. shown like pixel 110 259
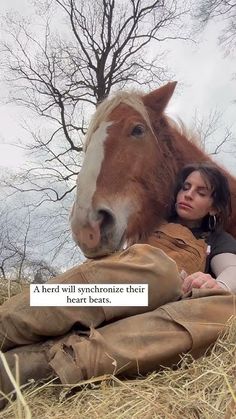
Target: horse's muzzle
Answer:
pixel 96 238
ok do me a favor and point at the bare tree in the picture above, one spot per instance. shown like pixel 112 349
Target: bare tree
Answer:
pixel 63 71
pixel 213 134
pixel 13 246
pixel 18 260
pixel 223 10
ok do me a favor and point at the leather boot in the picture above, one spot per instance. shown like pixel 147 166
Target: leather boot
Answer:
pixel 33 364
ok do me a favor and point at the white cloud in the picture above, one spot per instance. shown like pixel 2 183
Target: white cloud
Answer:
pixel 11 156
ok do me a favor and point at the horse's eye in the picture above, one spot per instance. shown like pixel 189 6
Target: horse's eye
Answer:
pixel 138 130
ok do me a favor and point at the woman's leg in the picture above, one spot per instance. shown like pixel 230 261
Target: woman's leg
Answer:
pixel 22 324
pixel 143 343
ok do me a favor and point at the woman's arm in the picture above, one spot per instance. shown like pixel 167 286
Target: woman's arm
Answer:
pixel 224 268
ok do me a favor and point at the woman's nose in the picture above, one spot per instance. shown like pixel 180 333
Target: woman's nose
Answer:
pixel 189 194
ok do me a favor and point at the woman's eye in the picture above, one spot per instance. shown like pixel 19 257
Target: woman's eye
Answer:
pixel 138 130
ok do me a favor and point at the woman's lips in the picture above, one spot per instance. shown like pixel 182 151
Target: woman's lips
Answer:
pixel 184 205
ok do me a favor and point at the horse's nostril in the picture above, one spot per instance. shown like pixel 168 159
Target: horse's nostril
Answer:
pixel 106 217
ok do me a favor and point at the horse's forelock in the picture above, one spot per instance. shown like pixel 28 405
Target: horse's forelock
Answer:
pixel 130 98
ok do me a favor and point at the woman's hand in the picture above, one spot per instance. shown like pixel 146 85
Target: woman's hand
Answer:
pixel 199 280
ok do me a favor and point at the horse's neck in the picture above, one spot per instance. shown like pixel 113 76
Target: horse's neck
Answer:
pixel 188 152
pixel 232 185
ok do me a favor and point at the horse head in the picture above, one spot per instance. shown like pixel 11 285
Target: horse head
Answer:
pixel 123 186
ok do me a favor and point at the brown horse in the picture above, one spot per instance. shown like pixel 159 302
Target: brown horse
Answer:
pixel 132 154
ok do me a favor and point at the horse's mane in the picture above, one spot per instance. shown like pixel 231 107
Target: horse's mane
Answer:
pixel 131 98
pixel 178 125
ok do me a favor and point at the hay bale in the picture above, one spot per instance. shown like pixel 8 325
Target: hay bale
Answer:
pixel 201 389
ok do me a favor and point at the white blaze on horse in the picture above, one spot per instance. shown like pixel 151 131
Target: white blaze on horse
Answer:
pixel 132 154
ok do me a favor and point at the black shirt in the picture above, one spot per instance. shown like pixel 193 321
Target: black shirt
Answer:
pixel 221 242
pixel 218 241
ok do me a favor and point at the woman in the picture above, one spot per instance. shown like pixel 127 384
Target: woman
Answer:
pixel 203 204
pixel 138 342
pixel 195 236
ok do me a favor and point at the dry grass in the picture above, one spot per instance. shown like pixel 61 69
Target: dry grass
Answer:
pixel 202 389
pixel 8 288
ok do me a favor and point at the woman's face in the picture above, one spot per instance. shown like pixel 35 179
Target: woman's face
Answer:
pixel 194 200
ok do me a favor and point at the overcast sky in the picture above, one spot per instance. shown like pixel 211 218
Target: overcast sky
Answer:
pixel 205 83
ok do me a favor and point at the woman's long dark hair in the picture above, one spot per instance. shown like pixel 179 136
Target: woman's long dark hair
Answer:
pixel 220 192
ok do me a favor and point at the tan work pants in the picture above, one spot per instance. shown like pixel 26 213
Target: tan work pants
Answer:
pixel 142 343
pixel 21 324
pixel 119 340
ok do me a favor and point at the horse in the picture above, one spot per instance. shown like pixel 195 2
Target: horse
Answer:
pixel 132 154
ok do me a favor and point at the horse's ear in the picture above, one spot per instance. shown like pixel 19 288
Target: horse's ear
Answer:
pixel 159 98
